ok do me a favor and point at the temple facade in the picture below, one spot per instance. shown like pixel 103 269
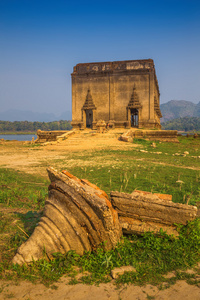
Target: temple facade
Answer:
pixel 122 93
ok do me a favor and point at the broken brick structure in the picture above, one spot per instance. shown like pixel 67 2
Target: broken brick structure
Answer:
pixel 122 93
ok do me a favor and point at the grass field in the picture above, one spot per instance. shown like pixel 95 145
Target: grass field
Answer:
pixel 164 169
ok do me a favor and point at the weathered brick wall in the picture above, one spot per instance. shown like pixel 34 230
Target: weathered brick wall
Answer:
pixel 111 86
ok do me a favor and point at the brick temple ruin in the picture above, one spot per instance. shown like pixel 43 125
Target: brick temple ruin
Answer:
pixel 122 93
pixel 119 94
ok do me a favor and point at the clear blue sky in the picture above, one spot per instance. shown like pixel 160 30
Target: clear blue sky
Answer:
pixel 41 41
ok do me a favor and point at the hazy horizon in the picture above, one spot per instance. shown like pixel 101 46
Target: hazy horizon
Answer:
pixel 70 111
pixel 25 115
pixel 41 41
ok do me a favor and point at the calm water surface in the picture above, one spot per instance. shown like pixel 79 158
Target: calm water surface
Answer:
pixel 18 137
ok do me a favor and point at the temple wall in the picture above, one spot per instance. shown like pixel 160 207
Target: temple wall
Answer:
pixel 111 86
pixel 99 89
pixel 123 88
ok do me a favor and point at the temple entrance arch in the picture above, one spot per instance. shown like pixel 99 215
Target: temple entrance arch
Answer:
pixel 134 110
pixel 89 118
pixel 134 117
pixel 88 112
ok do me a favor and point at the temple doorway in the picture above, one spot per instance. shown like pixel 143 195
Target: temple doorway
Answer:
pixel 134 117
pixel 89 118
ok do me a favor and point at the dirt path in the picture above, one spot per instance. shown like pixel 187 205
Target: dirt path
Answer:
pixel 28 291
pixel 34 160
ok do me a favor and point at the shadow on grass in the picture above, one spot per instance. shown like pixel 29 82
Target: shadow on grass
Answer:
pixel 30 220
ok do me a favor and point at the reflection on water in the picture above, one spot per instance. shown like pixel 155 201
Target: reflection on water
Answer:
pixel 18 137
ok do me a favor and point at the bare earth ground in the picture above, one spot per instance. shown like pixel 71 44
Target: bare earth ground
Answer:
pixel 34 160
pixel 26 290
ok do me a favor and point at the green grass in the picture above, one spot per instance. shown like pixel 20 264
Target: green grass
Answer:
pixel 18 189
pixel 22 197
pixel 126 170
pixel 151 256
pixel 157 179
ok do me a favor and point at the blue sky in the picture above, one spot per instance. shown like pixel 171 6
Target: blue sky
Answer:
pixel 41 41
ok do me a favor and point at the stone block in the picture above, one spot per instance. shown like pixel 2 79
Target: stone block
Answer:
pixel 120 271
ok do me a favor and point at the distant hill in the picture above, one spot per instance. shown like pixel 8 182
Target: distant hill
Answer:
pixel 18 115
pixel 175 109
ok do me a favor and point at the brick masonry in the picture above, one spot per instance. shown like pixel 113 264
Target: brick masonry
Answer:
pixel 125 93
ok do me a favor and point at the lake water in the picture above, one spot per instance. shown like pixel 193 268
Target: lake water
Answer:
pixel 18 137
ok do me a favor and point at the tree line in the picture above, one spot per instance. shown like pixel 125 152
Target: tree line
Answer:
pixel 25 126
pixel 183 124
